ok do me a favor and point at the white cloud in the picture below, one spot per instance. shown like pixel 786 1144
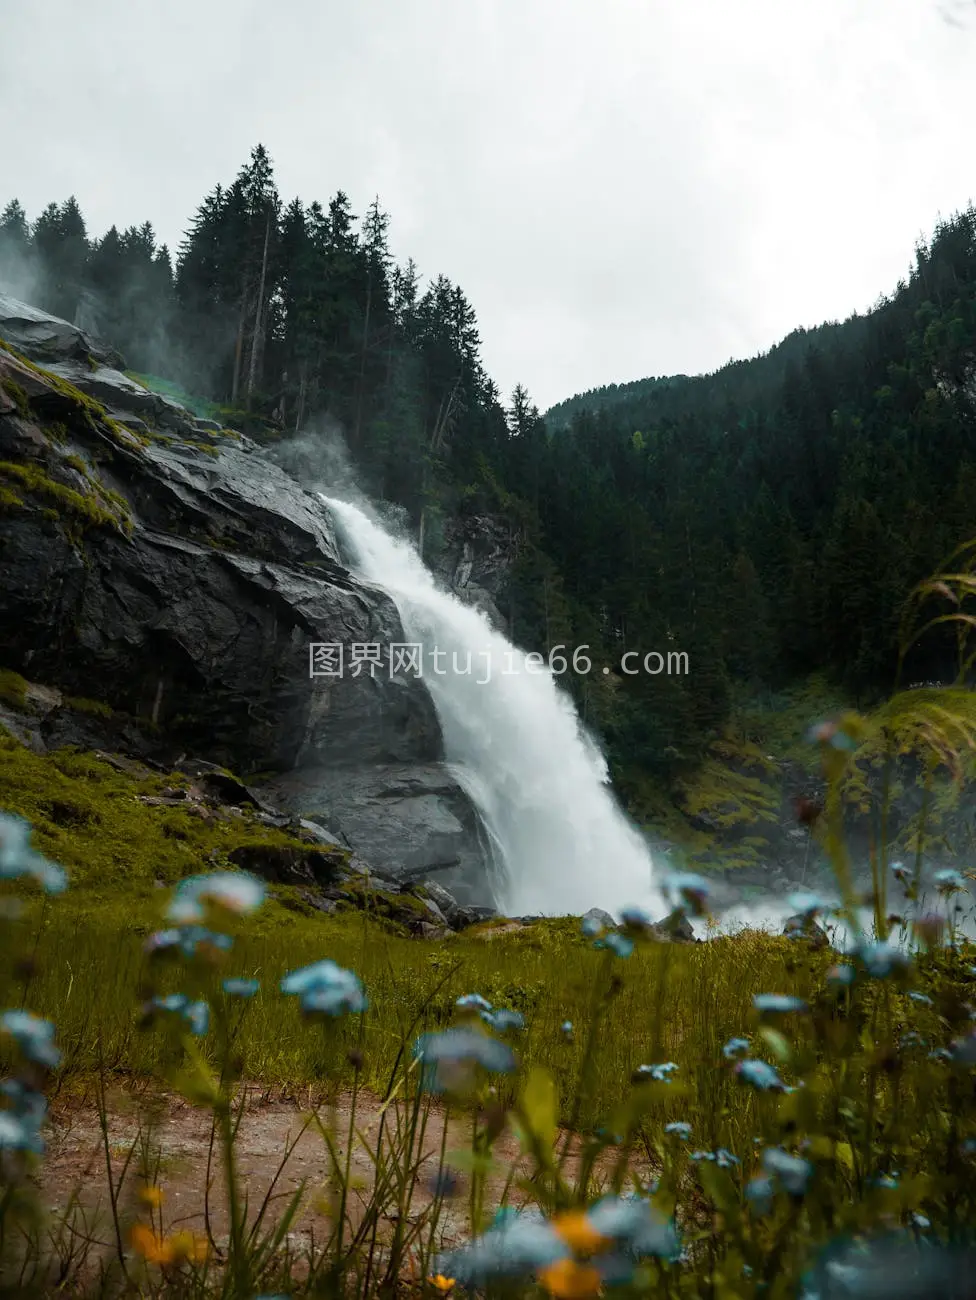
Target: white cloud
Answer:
pixel 621 188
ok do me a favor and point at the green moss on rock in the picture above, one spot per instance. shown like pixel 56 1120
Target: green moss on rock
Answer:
pixel 13 688
pixel 14 391
pixel 97 821
pixel 82 705
pixel 84 506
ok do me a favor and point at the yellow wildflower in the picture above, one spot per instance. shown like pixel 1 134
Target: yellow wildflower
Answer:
pixel 576 1230
pixel 568 1280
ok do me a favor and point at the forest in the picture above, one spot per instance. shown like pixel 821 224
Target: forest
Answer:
pixel 768 519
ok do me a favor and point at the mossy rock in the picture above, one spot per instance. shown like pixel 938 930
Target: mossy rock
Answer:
pixel 17 394
pixel 82 705
pixel 85 506
pixel 94 819
pixel 13 689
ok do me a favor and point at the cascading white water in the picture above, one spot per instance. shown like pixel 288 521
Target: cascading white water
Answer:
pixel 516 744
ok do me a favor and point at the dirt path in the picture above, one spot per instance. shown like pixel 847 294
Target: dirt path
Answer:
pixel 279 1146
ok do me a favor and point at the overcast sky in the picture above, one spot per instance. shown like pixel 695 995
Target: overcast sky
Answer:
pixel 622 187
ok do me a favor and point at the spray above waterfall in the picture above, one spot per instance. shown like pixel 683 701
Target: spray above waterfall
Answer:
pixel 514 742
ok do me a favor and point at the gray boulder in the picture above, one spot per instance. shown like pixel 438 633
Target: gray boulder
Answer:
pixel 675 928
pixel 406 820
pixel 446 902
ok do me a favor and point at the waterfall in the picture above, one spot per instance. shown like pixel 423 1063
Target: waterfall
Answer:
pixel 515 743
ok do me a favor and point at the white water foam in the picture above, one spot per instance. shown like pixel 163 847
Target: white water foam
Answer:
pixel 515 743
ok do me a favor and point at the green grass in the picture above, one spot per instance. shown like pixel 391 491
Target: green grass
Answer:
pixel 91 940
pixel 92 818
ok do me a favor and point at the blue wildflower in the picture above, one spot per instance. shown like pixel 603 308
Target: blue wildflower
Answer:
pixel 189 940
pixel 617 943
pixel 839 977
pixel 911 1039
pixel 920 1221
pixel 792 1172
pixel 34 1037
pixel 807 904
pixel 174 1003
pixel 515 1247
pixel 635 918
pixel 699 1156
pixel 725 1159
pixel 760 1074
pixel 922 999
pixel 949 881
pixel 15 1135
pixel 636 1225
pixel 735 1047
pixel 688 892
pixel 882 960
pixel 679 1128
pixel 241 988
pixel 759 1193
pixel 473 1002
pixel 326 988
pixel 235 891
pixel 777 1003
pixel 940 1054
pixel 659 1073
pixel 18 859
pixel 197 1016
pixel 566 1029
pixel 964 1050
pixel 450 1054
pixel 335 999
pixel 503 1019
pixel 22 1121
pixel 889 1267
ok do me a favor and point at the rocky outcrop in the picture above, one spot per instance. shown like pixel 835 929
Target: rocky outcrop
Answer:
pixel 476 561
pixel 48 338
pixel 170 571
pixel 409 821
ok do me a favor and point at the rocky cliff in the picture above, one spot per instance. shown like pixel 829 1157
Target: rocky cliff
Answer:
pixel 169 571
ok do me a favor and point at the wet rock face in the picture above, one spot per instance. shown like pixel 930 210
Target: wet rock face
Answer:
pixel 175 573
pixel 476 562
pixel 410 822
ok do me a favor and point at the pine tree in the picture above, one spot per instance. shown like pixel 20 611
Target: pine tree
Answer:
pixel 18 273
